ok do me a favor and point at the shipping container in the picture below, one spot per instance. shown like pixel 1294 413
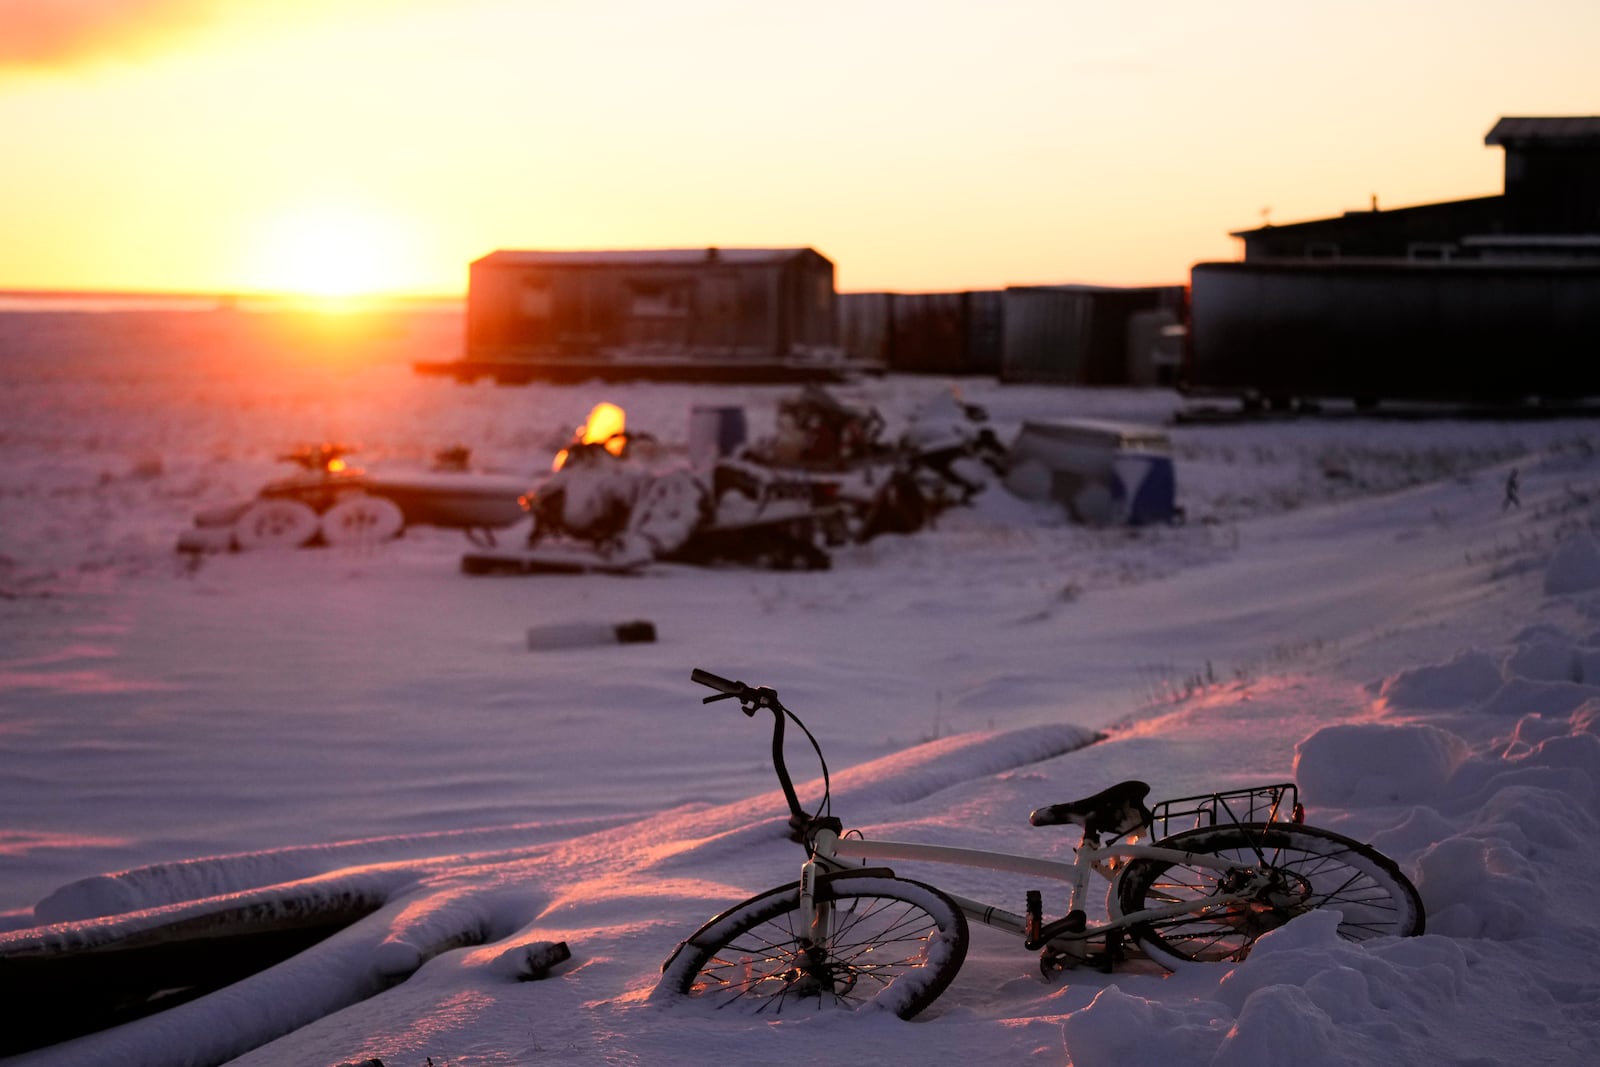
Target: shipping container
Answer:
pixel 1075 334
pixel 954 333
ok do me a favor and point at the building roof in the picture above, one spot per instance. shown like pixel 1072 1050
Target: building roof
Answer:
pixel 1565 132
pixel 647 257
pixel 1337 222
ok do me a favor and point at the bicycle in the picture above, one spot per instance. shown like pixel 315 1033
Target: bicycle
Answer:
pixel 852 935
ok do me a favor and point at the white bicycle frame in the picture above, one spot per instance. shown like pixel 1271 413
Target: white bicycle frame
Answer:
pixel 829 849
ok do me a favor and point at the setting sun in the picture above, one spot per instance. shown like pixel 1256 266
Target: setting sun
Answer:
pixel 291 146
pixel 328 252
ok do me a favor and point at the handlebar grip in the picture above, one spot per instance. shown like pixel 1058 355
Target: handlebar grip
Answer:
pixel 717 682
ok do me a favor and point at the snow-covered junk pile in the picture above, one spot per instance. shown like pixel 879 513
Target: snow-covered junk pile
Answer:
pixel 827 477
pixel 615 500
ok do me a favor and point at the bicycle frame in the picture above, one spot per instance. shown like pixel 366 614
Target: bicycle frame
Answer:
pixel 829 848
pixel 1069 933
pixel 1234 876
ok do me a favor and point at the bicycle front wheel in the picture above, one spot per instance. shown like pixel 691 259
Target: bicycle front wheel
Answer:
pixel 1279 871
pixel 892 943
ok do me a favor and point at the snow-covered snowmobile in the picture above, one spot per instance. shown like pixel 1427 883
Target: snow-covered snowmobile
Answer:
pixel 602 511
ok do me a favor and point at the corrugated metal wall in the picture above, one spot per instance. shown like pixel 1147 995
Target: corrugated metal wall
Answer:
pixel 986 331
pixel 1047 336
pixel 1075 335
pixel 866 326
pixel 924 333
pixel 930 333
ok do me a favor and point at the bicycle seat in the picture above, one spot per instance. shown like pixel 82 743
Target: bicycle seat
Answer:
pixel 1111 811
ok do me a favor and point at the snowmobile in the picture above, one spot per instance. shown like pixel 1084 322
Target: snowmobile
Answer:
pixel 329 502
pixel 596 515
pixel 600 513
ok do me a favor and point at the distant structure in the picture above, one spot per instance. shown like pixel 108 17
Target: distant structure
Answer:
pixel 1550 209
pixel 1060 334
pixel 716 314
pixel 750 314
pixel 1494 299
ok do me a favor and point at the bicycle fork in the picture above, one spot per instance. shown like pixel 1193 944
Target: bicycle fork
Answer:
pixel 818 978
pixel 821 917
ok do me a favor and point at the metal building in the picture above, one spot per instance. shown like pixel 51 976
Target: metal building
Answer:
pixel 1462 332
pixel 1493 299
pixel 710 313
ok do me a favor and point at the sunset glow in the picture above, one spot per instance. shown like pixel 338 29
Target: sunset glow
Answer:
pixel 327 253
pixel 357 146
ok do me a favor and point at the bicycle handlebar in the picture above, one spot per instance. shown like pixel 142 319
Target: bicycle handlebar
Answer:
pixel 750 698
pixel 716 681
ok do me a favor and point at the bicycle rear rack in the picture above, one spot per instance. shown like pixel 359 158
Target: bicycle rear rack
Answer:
pixel 1265 803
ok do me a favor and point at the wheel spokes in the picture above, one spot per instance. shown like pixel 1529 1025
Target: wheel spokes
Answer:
pixel 873 938
pixel 1302 881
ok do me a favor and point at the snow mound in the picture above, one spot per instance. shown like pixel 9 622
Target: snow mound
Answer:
pixel 1523 696
pixel 1515 816
pixel 1363 764
pixel 1470 677
pixel 1547 661
pixel 1574 568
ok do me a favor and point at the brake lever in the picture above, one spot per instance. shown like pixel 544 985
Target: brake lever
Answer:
pixel 719 696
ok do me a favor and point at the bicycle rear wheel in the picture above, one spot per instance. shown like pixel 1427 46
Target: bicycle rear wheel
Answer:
pixel 1286 870
pixel 895 944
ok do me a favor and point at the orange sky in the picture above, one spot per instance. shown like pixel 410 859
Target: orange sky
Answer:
pixel 334 146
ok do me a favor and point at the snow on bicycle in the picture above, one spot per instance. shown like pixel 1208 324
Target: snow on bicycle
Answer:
pixel 1219 871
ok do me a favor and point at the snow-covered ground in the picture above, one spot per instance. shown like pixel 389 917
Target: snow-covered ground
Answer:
pixel 1351 605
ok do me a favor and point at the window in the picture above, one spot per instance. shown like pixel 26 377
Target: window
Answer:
pixel 656 300
pixel 533 299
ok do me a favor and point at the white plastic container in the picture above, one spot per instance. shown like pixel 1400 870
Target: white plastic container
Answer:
pixel 1104 473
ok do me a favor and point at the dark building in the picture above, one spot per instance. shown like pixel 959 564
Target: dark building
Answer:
pixel 1492 299
pixel 737 313
pixel 1552 194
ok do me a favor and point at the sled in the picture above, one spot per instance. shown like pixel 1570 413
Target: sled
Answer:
pixel 327 502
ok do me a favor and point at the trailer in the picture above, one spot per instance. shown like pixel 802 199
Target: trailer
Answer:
pixel 1275 334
